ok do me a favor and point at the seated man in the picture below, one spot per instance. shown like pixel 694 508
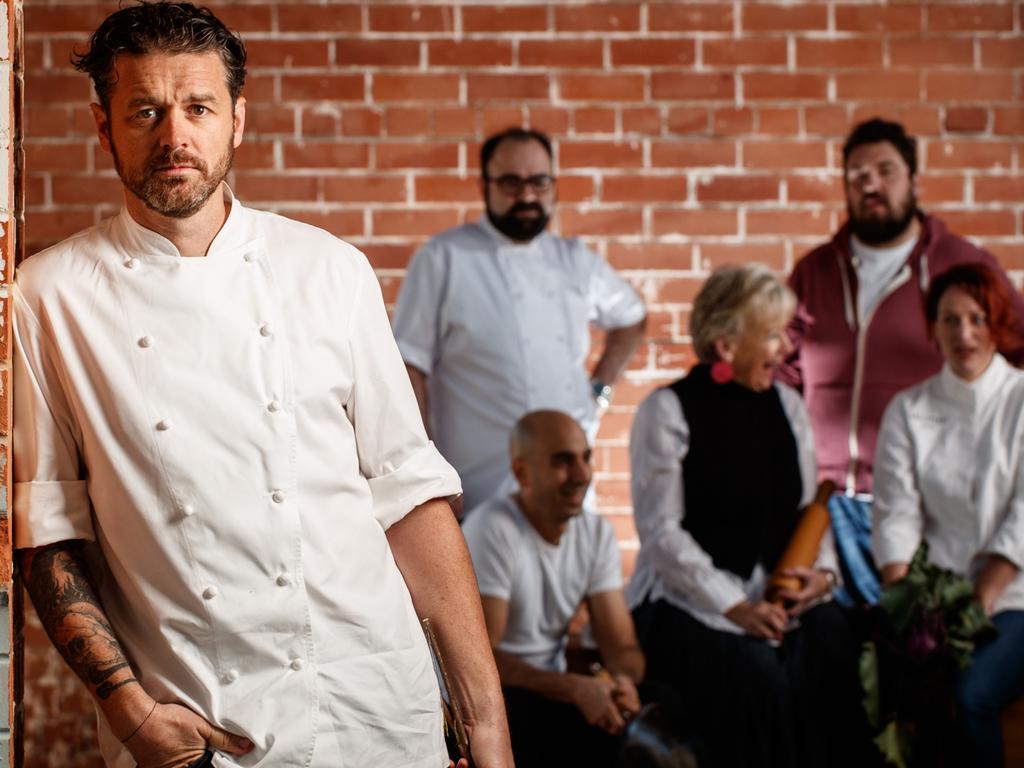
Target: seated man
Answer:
pixel 537 558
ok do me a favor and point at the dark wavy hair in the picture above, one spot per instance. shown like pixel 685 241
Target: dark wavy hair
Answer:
pixel 489 147
pixel 159 27
pixel 875 130
pixel 982 284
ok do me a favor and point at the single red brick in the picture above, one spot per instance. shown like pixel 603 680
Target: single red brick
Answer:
pixel 494 119
pixel 317 17
pixel 269 120
pixel 826 120
pixel 507 87
pixel 358 121
pixel 669 52
pixel 764 17
pixel 576 189
pixel 361 188
pixel 386 255
pixel 789 221
pixel 643 189
pixel 737 188
pixel 507 18
pixel 651 255
pixel 688 120
pixel 815 188
pixel 554 121
pixel 408 121
pixel 49 121
pixel 714 255
pixel 692 154
pixel 286 53
pixel 595 87
pixel 731 121
pixel 763 52
pixel 999 189
pixel 699 17
pixel 329 154
pixel 1009 255
pixel 643 120
pixel 778 121
pixel 54 156
pixel 692 86
pixel 879 85
pixel 1008 121
pixel 885 19
pixel 917 119
pixel 447 189
pixel 357 52
pixel 932 52
pixel 855 53
pixel 411 18
pixel 342 223
pixel 247 17
pixel 784 154
pixel 692 222
pixel 966 119
pixel 777 85
pixel 64 18
pixel 86 189
pixel 415 87
pixel 992 223
pixel 969 86
pixel 1002 53
pixel 454 122
pixel 970 17
pixel 600 154
pixel 969 154
pixel 600 221
pixel 606 17
pixel 415 155
pixel 43 87
pixel 273 187
pixel 469 53
pixel 260 87
pixel 426 222
pixel 562 53
pixel 935 188
pixel 593 120
pixel 321 87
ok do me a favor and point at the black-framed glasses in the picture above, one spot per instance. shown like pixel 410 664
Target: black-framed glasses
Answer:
pixel 513 185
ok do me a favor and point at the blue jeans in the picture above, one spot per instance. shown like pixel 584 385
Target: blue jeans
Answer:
pixel 986 687
pixel 851 527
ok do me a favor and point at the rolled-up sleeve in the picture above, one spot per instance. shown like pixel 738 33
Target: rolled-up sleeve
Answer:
pixel 402 467
pixel 51 499
pixel 897 515
pixel 614 302
pixel 418 309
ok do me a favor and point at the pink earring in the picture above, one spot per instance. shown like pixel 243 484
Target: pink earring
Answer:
pixel 721 372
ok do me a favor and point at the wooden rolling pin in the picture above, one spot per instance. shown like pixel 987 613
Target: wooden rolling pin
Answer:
pixel 802 549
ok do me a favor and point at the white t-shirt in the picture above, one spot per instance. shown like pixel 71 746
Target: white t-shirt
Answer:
pixel 949 470
pixel 502 329
pixel 543 583
pixel 235 433
pixel 876 268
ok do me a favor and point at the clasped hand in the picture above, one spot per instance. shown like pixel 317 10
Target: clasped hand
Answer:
pixel 606 701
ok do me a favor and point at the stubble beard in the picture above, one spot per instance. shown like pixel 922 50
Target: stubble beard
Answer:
pixel 175 197
pixel 875 230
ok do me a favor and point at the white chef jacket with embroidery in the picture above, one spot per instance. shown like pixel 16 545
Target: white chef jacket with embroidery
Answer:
pixel 502 329
pixel 949 470
pixel 235 433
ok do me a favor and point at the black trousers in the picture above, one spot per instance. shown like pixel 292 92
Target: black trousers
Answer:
pixel 797 705
pixel 549 733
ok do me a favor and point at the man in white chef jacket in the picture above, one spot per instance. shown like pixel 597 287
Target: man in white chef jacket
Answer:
pixel 228 514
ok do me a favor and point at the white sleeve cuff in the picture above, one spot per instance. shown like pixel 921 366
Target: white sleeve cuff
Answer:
pixel 424 475
pixel 46 512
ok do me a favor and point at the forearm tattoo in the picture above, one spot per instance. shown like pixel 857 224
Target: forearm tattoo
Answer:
pixel 73 617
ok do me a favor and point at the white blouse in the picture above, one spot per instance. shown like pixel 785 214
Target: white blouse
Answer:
pixel 949 470
pixel 671 565
pixel 234 434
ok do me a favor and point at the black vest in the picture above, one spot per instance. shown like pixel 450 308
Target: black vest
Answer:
pixel 741 474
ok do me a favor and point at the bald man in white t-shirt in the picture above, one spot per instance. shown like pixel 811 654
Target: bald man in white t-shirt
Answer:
pixel 537 558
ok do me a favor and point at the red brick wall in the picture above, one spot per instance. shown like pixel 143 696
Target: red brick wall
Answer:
pixel 687 135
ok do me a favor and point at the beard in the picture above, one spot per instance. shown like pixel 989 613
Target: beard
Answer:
pixel 885 226
pixel 178 197
pixel 521 229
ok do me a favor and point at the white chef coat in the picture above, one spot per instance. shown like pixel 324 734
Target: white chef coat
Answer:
pixel 671 565
pixel 235 433
pixel 543 583
pixel 502 329
pixel 949 470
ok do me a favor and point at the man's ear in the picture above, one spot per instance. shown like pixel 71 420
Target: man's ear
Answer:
pixel 238 121
pixel 102 125
pixel 519 471
pixel 725 348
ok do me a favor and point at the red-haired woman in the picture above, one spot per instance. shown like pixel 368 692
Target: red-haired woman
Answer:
pixel 950 471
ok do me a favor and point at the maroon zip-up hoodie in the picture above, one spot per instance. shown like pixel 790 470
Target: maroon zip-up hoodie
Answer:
pixel 848 373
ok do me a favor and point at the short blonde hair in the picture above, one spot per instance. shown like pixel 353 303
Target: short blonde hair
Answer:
pixel 734 300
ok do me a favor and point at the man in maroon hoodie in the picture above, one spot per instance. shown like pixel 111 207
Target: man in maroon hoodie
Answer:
pixel 859 331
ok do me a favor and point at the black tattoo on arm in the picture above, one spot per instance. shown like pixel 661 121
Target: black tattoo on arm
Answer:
pixel 65 598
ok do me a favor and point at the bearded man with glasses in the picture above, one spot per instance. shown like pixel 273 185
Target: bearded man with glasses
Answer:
pixel 493 319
